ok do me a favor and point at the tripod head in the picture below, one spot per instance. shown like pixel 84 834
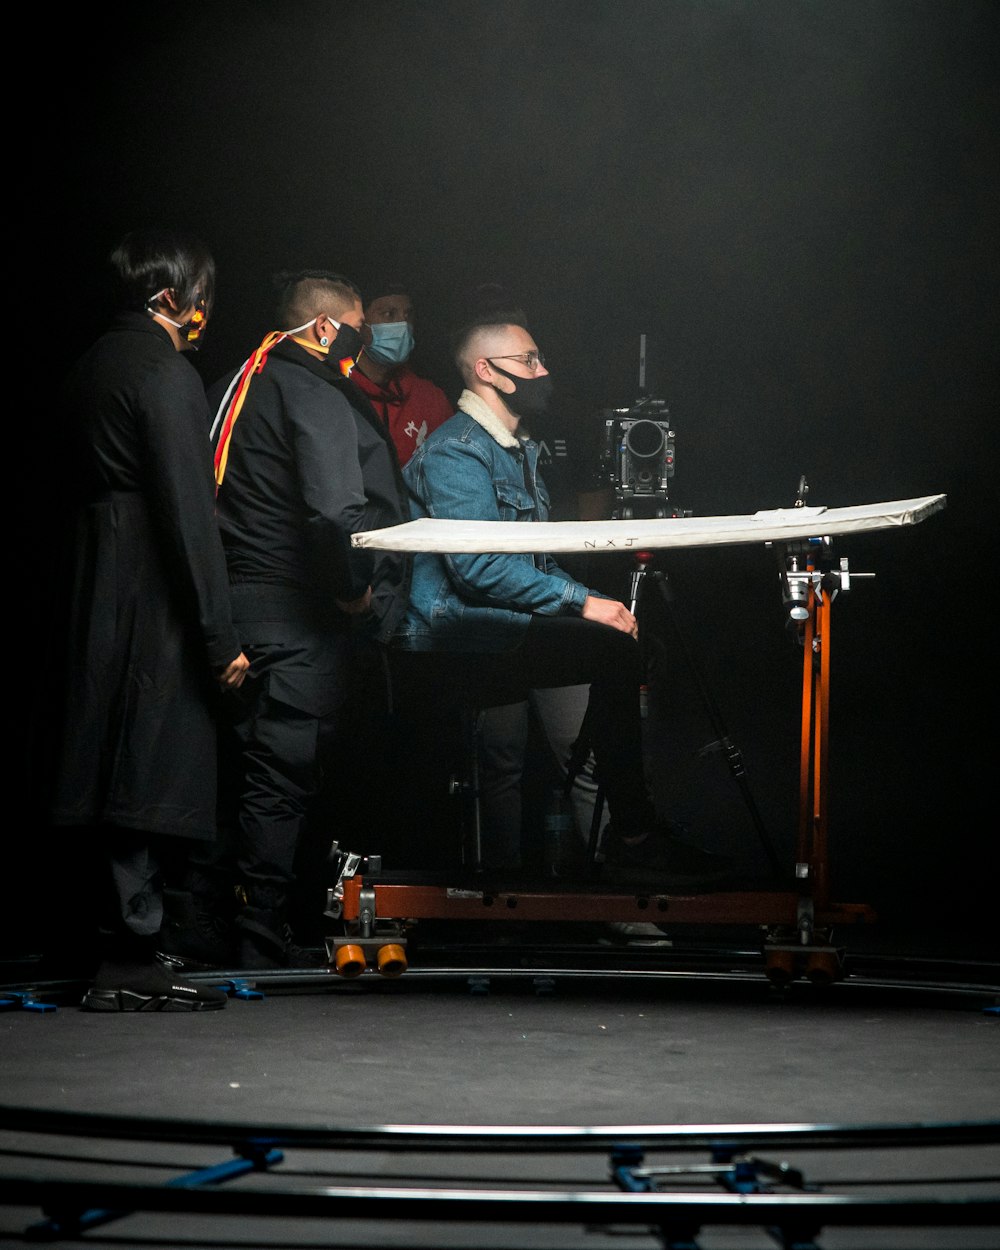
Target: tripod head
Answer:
pixel 807 571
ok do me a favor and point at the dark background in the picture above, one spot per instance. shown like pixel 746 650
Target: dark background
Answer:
pixel 796 202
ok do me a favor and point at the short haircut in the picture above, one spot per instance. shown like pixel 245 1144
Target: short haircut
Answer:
pixel 147 262
pixel 488 306
pixel 310 293
pixel 469 341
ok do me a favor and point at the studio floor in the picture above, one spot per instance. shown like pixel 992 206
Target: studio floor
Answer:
pixel 531 1058
pixel 546 1027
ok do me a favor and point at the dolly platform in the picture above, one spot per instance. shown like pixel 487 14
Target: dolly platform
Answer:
pixel 797 918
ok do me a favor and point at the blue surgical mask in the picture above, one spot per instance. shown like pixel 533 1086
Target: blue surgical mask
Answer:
pixel 392 342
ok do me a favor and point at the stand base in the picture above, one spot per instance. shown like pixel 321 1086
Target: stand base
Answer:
pixel 386 907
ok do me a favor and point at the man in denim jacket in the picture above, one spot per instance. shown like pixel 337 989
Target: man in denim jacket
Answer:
pixel 510 623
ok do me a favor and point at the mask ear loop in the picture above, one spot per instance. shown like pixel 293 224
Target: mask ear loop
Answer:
pixel 197 322
pixel 324 342
pixel 162 316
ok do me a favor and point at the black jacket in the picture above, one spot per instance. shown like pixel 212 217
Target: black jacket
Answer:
pixel 309 464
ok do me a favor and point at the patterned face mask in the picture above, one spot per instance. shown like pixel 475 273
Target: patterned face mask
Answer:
pixel 342 354
pixel 192 330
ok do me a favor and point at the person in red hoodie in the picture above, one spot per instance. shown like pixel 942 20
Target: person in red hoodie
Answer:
pixel 411 406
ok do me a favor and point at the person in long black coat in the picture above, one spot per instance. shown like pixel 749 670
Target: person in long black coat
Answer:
pixel 150 637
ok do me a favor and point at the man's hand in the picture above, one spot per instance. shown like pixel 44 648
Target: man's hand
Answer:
pixel 610 612
pixel 354 607
pixel 231 677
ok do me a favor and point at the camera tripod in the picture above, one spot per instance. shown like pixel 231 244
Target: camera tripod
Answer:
pixel 644 581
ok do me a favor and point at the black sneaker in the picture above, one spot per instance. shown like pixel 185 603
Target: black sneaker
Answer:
pixel 633 933
pixel 148 987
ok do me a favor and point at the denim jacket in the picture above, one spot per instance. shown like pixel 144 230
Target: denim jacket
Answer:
pixel 474 468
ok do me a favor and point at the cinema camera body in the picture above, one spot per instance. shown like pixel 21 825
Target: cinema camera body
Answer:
pixel 638 459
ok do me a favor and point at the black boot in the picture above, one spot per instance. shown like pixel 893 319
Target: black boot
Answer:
pixel 265 936
pixel 130 978
pixel 198 930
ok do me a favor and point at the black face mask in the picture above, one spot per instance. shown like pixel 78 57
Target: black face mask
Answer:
pixel 345 350
pixel 531 396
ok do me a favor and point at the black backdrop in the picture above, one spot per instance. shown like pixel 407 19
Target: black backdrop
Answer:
pixel 796 202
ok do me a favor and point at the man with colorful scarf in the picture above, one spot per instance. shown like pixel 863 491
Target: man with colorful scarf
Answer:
pixel 301 463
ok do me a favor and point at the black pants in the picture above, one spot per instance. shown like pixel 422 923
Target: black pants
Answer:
pixel 558 651
pixel 286 716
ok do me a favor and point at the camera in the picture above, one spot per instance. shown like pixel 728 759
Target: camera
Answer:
pixel 638 458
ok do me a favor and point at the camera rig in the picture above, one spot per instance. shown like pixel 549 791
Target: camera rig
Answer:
pixel 638 457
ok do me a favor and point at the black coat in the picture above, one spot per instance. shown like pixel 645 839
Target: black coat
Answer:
pixel 148 618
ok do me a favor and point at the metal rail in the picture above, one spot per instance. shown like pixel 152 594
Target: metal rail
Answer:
pixel 737 1187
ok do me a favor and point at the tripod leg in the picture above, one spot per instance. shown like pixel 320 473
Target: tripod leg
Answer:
pixel 734 758
pixel 593 841
pixel 577 761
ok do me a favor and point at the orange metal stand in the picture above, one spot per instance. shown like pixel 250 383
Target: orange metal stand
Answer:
pixel 815 745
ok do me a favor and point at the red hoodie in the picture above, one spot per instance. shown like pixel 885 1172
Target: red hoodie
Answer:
pixel 411 406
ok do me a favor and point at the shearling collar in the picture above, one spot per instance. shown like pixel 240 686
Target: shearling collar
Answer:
pixel 480 411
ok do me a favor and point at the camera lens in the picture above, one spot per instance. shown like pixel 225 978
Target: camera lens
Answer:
pixel 644 439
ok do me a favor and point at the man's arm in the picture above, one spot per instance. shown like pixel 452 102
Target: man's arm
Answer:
pixel 330 478
pixel 454 481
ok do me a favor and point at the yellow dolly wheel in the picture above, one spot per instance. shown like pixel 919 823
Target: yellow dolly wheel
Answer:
pixel 391 960
pixel 780 966
pixel 350 960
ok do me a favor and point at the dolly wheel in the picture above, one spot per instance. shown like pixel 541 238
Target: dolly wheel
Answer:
pixel 391 960
pixel 780 966
pixel 350 960
pixel 823 968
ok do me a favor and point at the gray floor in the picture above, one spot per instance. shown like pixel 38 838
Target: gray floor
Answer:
pixel 650 1045
pixel 593 1053
pixel 545 1033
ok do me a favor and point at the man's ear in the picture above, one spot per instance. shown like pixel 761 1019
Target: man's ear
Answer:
pixel 169 297
pixel 486 373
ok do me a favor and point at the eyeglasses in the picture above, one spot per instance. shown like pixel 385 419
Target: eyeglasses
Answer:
pixel 530 360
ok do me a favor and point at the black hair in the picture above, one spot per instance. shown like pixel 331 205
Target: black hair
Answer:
pixel 375 290
pixel 147 262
